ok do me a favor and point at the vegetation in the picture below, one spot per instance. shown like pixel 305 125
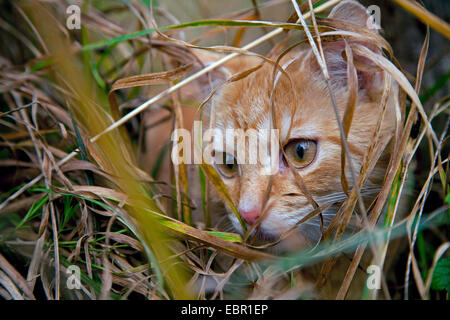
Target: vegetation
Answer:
pixel 80 185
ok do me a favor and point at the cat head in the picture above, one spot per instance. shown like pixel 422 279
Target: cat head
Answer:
pixel 309 134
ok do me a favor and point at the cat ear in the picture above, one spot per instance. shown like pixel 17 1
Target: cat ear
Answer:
pixel 369 76
pixel 200 89
pixel 353 12
pixel 207 82
pixel 220 74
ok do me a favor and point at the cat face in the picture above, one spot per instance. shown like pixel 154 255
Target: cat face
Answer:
pixel 309 138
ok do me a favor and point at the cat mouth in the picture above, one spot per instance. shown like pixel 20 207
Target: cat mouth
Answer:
pixel 262 236
pixel 267 236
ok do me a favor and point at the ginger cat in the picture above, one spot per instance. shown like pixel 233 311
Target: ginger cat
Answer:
pixel 308 132
pixel 309 138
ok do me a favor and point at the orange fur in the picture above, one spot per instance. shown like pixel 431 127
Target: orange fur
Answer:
pixel 245 105
pixel 303 110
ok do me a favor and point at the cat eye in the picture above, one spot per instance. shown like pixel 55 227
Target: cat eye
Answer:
pixel 226 165
pixel 301 153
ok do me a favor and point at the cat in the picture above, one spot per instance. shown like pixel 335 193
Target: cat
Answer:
pixel 309 137
pixel 308 133
pixel 308 130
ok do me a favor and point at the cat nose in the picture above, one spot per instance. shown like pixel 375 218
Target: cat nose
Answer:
pixel 250 216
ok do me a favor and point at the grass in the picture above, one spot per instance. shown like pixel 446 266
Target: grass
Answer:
pixel 81 185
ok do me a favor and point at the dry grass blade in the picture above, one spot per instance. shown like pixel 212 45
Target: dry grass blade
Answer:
pixel 349 109
pixel 8 284
pixel 15 277
pixel 216 180
pixel 230 248
pixel 142 80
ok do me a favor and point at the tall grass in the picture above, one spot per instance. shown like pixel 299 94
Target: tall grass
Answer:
pixel 85 137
